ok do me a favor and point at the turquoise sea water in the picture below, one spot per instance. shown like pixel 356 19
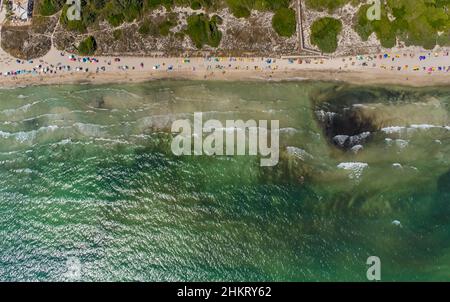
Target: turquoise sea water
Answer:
pixel 88 184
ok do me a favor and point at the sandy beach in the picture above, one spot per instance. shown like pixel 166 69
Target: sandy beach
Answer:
pixel 399 68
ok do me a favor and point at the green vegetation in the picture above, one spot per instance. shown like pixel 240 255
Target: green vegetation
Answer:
pixel 50 7
pixel 329 5
pixel 88 46
pixel 119 11
pixel 242 8
pixel 164 27
pixel 156 3
pixel 196 5
pixel 324 33
pixel 383 28
pixel 284 22
pixel 203 30
pixel 150 27
pixel 416 22
pixel 117 34
pixel 444 39
pixel 73 25
pixel 116 12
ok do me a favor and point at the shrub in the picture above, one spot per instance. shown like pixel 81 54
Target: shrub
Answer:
pixel 117 34
pixel 88 46
pixel 421 24
pixel 148 28
pixel 324 33
pixel 329 5
pixel 240 8
pixel 50 7
pixel 203 31
pixel 73 25
pixel 284 22
pixel 196 5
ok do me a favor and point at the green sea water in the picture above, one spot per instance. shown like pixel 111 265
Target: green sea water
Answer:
pixel 88 183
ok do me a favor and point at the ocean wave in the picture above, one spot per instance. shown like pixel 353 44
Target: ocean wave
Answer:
pixel 93 130
pixel 350 141
pixel 25 171
pixel 288 130
pixel 364 106
pixel 325 116
pixel 356 169
pixel 402 129
pixel 26 136
pixel 397 166
pixel 340 140
pixel 112 140
pixel 25 107
pixel 401 143
pixel 357 148
pixel 122 91
pixel 393 129
pixel 21 109
pixel 298 153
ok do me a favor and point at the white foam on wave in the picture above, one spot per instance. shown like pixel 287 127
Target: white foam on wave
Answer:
pixel 115 90
pixel 325 116
pixel 340 139
pixel 112 140
pixel 356 169
pixel 26 171
pixel 299 153
pixel 424 126
pixel 90 129
pixel 359 138
pixel 401 143
pixel 288 130
pixel 357 148
pixel 65 141
pixel 21 109
pixel 393 129
pixel 400 129
pixel 25 136
pixel 363 106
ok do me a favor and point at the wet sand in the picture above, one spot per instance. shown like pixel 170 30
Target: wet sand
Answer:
pixel 353 77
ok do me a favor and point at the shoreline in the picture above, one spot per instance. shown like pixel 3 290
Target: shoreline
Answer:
pixel 354 77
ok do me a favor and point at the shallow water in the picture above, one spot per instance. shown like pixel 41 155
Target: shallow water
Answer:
pixel 88 182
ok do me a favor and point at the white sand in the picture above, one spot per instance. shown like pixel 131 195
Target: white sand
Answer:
pixel 350 69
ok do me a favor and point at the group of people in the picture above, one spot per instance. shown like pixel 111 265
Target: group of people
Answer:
pixel 428 62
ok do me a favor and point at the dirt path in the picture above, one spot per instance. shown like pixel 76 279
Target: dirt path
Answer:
pixel 300 34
